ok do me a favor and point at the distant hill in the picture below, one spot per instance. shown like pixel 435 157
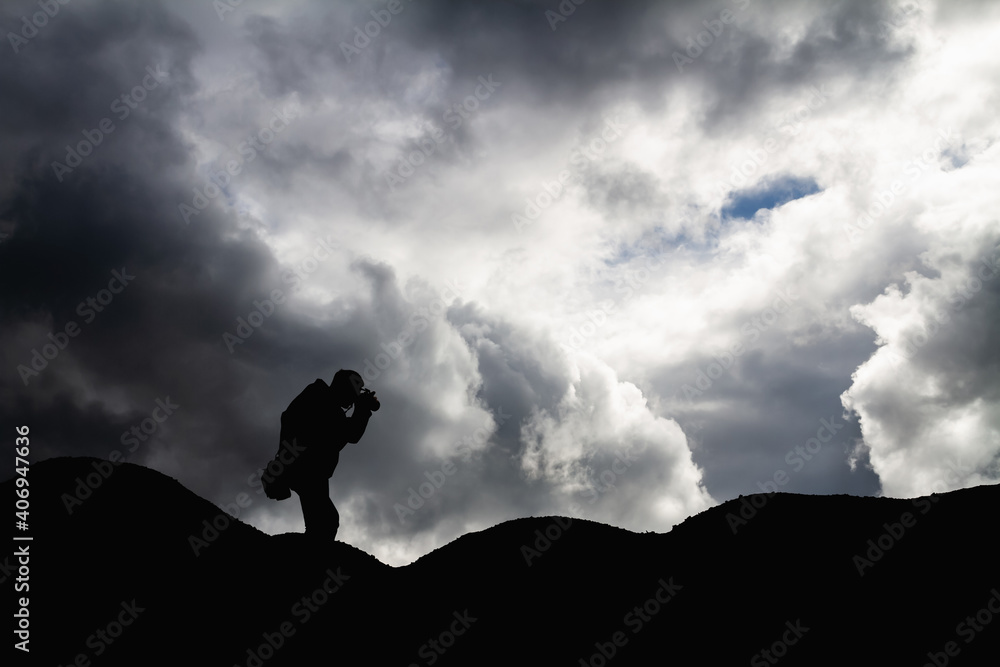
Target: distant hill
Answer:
pixel 811 580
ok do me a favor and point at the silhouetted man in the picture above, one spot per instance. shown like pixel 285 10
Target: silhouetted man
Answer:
pixel 314 429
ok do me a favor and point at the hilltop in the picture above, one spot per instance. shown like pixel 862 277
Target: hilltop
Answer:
pixel 808 579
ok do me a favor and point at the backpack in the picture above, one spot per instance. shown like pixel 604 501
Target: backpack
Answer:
pixel 276 484
pixel 274 487
pixel 309 417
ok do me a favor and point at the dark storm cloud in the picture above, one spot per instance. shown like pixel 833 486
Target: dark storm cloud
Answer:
pixel 606 50
pixel 601 52
pixel 160 335
pixel 840 37
pixel 473 373
pixel 775 398
pixel 519 371
pixel 65 85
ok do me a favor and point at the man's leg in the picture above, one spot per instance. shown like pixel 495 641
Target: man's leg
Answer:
pixel 320 516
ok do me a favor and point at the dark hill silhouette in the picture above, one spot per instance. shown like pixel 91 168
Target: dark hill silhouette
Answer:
pixel 788 574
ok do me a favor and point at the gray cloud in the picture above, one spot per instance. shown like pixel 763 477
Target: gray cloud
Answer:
pixel 541 360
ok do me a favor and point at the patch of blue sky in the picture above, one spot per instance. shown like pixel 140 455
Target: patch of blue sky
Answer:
pixel 745 203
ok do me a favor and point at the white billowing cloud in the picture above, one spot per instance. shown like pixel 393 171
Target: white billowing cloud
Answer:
pixel 605 453
pixel 651 192
pixel 584 325
pixel 928 398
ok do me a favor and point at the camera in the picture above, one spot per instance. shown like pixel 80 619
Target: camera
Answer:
pixel 367 398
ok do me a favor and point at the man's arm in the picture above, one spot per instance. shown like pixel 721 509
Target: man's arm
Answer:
pixel 357 423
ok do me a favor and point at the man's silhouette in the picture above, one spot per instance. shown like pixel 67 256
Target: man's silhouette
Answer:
pixel 314 429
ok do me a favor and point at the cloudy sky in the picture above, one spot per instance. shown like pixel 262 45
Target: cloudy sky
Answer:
pixel 618 261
